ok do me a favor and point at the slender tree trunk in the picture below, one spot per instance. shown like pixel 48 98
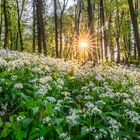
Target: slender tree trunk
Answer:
pixel 1 21
pixel 129 47
pixel 135 45
pixel 126 53
pixel 34 26
pixel 101 33
pixel 135 26
pixel 43 34
pixel 61 24
pixel 110 42
pixel 56 28
pixel 104 28
pixel 40 27
pixel 16 41
pixel 6 24
pixel 19 26
pixel 92 50
pixel 118 32
pixel 11 40
pixel 38 12
pixel 61 42
pixel 98 41
pixel 78 12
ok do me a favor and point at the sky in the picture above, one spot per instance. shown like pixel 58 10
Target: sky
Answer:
pixel 70 2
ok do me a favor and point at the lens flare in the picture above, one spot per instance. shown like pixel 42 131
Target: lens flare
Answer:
pixel 85 46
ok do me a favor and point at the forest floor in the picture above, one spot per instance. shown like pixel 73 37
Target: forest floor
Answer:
pixel 48 98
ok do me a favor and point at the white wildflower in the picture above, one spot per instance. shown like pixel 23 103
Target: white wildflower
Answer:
pixel 51 99
pixel 114 124
pixel 72 119
pixel 60 81
pixel 40 138
pixel 45 80
pixel 65 93
pixel 88 97
pixel 96 110
pixel 20 118
pixel 46 120
pixel 89 105
pixel 64 136
pixel 18 85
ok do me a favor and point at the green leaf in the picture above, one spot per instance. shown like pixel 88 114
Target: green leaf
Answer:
pixel 58 121
pixel 113 113
pixel 124 134
pixel 26 122
pixel 49 109
pixel 43 131
pixel 84 131
pixel 19 134
pixel 1 123
pixel 59 130
pixel 5 132
pixel 34 134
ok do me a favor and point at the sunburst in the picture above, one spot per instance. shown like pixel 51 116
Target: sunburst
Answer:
pixel 84 46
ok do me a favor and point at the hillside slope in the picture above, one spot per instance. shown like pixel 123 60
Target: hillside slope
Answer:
pixel 47 98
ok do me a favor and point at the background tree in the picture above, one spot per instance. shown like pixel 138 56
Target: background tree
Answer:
pixel 114 28
pixel 135 26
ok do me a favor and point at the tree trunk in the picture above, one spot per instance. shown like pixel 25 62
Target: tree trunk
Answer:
pixel 56 28
pixel 104 28
pixel 101 33
pixel 135 26
pixel 6 24
pixel 78 12
pixel 40 27
pixel 16 41
pixel 61 23
pixel 110 42
pixel 11 40
pixel 34 26
pixel 1 23
pixel 19 26
pixel 38 12
pixel 61 42
pixel 137 14
pixel 92 50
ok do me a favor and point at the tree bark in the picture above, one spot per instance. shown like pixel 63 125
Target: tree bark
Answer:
pixel 135 26
pixel 38 12
pixel 34 26
pixel 40 27
pixel 92 48
pixel 61 24
pixel 6 24
pixel 1 22
pixel 19 26
pixel 56 28
pixel 104 29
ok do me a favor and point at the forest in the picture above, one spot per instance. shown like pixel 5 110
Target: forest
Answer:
pixel 69 70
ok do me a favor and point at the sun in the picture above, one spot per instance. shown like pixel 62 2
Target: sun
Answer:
pixel 83 44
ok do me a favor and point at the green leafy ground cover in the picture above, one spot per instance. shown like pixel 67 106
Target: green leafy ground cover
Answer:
pixel 47 98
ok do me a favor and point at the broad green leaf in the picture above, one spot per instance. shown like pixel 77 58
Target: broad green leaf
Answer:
pixel 59 130
pixel 43 131
pixel 84 131
pixel 26 122
pixel 113 113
